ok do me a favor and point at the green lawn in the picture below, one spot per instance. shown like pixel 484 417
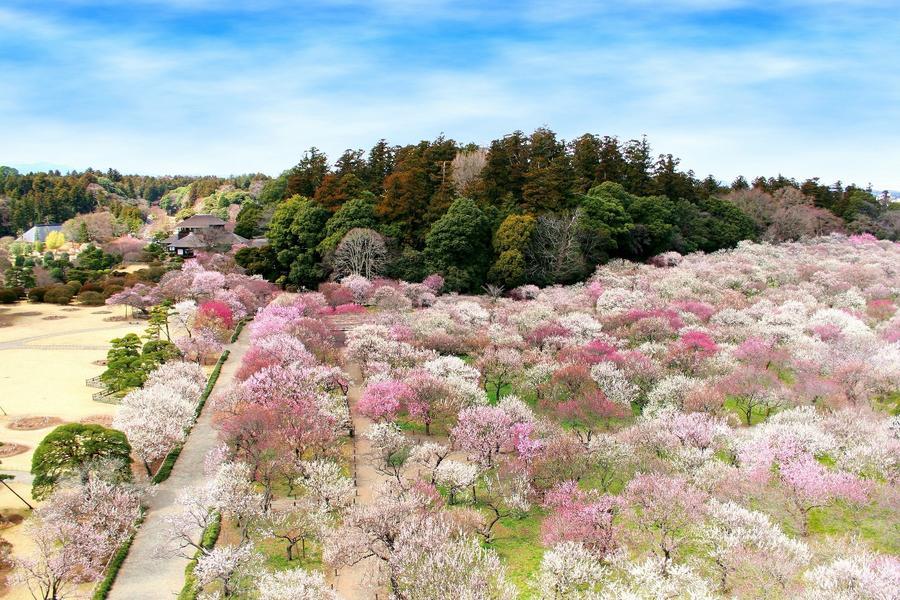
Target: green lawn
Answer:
pixel 518 542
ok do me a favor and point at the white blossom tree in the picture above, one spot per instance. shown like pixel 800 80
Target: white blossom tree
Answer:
pixel 360 252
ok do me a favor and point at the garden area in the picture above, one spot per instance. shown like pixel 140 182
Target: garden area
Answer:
pixel 703 426
pixel 70 450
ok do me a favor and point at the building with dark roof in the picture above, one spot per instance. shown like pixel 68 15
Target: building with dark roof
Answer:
pixel 201 232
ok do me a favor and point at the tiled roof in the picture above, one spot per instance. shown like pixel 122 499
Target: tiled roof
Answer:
pixel 201 221
pixel 188 241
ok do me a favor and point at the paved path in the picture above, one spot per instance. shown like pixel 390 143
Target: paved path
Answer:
pixel 146 576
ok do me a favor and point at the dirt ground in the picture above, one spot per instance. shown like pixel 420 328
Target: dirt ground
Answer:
pixel 46 353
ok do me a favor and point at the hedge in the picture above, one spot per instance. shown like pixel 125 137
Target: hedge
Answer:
pixel 237 330
pixel 165 469
pixel 208 540
pixel 112 570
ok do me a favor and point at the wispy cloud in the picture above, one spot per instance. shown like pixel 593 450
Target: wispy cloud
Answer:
pixel 732 86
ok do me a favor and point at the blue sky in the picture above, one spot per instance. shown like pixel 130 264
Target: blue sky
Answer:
pixel 802 87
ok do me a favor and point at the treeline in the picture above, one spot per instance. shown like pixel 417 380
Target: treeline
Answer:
pixel 54 197
pixel 527 209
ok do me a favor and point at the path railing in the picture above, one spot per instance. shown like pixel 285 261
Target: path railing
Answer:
pixel 106 397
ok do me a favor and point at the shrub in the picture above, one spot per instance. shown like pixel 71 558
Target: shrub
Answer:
pixel 90 298
pixel 36 294
pixel 217 311
pixel 8 295
pixel 111 290
pixel 59 294
pixel 336 294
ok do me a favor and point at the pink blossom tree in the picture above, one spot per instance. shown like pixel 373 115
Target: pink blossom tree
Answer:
pixel 200 346
pixel 74 534
pixel 155 419
pixel 499 367
pixel 383 400
pixel 667 507
pixel 580 516
pixel 483 431
pixel 216 312
pixel 809 484
pixel 375 530
pixel 295 584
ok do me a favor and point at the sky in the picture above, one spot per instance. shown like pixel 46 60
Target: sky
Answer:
pixel 800 87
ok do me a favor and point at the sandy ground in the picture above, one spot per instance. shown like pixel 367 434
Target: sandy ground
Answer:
pixel 43 365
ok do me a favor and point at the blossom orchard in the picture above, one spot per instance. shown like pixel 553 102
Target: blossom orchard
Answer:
pixel 679 423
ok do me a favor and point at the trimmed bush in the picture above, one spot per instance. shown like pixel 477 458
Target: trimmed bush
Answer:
pixel 8 295
pixel 111 289
pixel 36 294
pixel 90 298
pixel 59 294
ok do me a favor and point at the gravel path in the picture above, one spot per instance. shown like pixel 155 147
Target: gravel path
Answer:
pixel 353 583
pixel 146 576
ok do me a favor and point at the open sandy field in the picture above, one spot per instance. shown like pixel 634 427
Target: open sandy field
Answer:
pixel 46 353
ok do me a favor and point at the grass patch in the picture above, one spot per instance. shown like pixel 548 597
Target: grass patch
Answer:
pixel 208 540
pixel 439 427
pixel 276 555
pixel 889 403
pixel 875 524
pixel 757 415
pixel 494 395
pixel 115 564
pixel 518 543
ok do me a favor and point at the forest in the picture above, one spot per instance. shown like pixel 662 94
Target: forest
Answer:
pixel 526 209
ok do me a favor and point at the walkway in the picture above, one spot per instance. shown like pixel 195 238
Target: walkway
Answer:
pixel 146 576
pixel 354 582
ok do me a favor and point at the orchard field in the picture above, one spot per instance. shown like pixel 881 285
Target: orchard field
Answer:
pixel 706 426
pixel 702 426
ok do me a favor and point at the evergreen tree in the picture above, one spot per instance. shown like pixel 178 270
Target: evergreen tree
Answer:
pixel 457 246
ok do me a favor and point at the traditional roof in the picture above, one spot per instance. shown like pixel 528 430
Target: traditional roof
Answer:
pixel 188 241
pixel 258 242
pixel 201 221
pixel 39 233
